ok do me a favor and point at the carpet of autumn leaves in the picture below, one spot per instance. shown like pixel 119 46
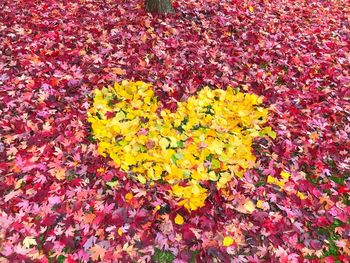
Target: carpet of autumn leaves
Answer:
pixel 61 201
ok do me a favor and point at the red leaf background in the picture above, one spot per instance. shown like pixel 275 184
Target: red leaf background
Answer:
pixel 53 182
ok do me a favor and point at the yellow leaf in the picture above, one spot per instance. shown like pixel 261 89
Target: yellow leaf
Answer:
pixel 285 175
pixel 212 176
pixel 179 219
pixel 164 143
pixel 29 241
pixel 268 131
pixel 259 204
pixel 225 177
pixel 120 232
pixel 19 183
pixel 251 9
pixel 301 195
pixel 270 179
pixel 141 179
pixel 112 184
pixel 244 87
pixel 228 241
pixel 129 196
pixel 279 183
pixel 249 207
pixel 243 113
pixel 129 159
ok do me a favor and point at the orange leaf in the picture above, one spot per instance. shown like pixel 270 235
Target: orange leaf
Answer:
pixel 118 71
pixel 144 38
pixel 313 136
pixel 89 218
pixel 58 172
pixel 97 252
pixel 35 59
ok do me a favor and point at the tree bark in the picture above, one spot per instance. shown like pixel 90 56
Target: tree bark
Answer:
pixel 159 6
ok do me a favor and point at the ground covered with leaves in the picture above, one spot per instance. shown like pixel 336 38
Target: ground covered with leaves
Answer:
pixel 63 201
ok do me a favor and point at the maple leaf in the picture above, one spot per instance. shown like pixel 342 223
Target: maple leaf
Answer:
pixel 90 242
pixel 29 241
pixel 97 252
pixel 118 71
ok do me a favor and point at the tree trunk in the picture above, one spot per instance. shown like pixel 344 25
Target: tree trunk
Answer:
pixel 159 6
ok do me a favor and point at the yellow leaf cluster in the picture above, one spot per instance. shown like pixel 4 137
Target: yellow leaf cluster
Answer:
pixel 208 138
pixel 192 195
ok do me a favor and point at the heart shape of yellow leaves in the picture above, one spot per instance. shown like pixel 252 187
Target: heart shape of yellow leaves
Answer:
pixel 208 138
